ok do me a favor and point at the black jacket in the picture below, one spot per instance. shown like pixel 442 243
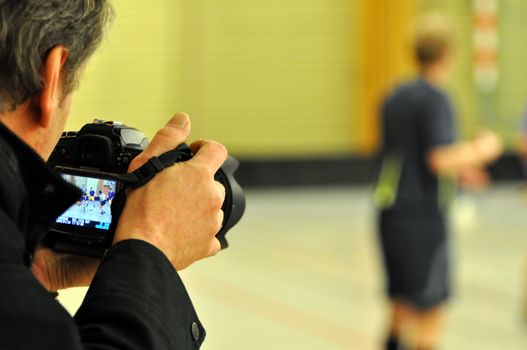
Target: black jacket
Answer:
pixel 136 300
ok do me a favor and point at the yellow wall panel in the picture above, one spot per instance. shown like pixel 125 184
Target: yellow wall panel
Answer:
pixel 282 78
pixel 267 78
pixel 270 77
pixel 385 58
pixel 133 77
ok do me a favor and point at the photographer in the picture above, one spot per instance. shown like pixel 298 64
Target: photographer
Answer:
pixel 136 299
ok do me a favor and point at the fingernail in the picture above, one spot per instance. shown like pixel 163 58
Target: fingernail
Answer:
pixel 180 120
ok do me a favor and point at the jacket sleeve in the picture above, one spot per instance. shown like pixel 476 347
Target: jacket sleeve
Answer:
pixel 136 301
pixel 30 317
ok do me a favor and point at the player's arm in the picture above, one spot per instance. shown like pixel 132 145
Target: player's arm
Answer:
pixel 454 158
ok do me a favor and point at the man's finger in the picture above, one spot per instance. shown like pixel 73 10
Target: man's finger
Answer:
pixel 174 133
pixel 215 247
pixel 209 154
pixel 221 189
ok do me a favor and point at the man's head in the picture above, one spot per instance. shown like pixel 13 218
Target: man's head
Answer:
pixel 432 45
pixel 106 189
pixel 29 29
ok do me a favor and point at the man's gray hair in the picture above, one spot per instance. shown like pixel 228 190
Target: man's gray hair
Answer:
pixel 29 29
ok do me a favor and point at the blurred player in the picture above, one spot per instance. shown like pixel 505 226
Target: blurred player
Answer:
pixel 421 163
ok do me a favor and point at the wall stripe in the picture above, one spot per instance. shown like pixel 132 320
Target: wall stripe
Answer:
pixel 385 58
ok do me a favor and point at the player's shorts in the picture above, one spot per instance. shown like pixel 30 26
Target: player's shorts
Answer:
pixel 416 258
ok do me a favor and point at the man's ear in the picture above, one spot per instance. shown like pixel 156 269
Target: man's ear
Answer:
pixel 49 98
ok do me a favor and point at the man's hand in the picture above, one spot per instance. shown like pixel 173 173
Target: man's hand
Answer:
pixel 57 271
pixel 452 159
pixel 474 178
pixel 179 210
pixel 488 145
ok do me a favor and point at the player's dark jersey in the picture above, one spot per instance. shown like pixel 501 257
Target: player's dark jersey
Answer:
pixel 416 118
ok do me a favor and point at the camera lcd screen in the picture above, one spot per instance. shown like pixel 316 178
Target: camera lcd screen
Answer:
pixel 93 209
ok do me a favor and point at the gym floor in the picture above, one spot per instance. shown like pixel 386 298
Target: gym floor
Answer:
pixel 303 272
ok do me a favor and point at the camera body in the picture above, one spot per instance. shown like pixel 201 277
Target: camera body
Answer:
pixel 102 145
pixel 95 159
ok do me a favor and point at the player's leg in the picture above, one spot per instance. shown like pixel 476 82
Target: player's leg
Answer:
pixel 430 328
pixel 400 324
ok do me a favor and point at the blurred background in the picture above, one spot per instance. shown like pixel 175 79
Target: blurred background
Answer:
pixel 293 88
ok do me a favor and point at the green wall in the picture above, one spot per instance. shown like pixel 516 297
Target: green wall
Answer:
pixel 274 78
pixel 511 97
pixel 267 78
pixel 134 77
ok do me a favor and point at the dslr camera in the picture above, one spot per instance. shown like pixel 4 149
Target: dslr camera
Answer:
pixel 96 160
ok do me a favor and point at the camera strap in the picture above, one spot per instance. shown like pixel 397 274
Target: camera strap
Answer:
pixel 155 165
pixel 144 174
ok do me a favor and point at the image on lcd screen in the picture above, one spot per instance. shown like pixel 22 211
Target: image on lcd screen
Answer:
pixel 92 210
